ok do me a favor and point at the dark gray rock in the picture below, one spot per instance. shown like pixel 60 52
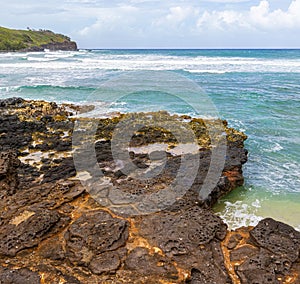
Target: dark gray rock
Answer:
pixel 94 233
pixel 191 238
pixel 15 101
pixel 27 233
pixel 278 238
pixel 9 180
pixel 18 276
pixel 145 264
pixel 105 262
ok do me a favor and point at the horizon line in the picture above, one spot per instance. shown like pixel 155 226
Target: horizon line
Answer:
pixel 186 48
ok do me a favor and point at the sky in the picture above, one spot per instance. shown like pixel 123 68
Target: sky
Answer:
pixel 162 23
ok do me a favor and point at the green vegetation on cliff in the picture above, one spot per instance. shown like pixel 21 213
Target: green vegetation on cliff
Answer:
pixel 31 40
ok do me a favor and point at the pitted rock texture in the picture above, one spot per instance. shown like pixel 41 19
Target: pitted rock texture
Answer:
pixel 105 262
pixel 191 238
pixel 8 173
pixel 278 238
pixel 15 237
pixel 53 231
pixel 18 276
pixel 41 132
pixel 142 262
pixel 95 233
pixel 267 253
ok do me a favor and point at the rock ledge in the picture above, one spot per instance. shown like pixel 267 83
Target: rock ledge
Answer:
pixel 53 231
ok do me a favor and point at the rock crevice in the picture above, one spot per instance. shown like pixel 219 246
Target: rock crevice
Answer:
pixel 53 230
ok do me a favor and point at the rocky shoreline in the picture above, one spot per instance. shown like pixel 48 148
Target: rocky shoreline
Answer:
pixel 29 40
pixel 52 230
pixel 53 46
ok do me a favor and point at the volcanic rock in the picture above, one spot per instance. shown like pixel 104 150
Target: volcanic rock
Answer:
pixel 61 225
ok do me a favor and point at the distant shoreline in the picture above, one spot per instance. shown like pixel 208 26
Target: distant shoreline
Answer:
pixel 196 49
pixel 34 40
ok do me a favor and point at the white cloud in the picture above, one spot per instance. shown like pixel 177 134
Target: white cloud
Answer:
pixel 220 20
pixel 81 1
pixel 262 16
pixel 178 14
pixel 188 23
pixel 227 1
pixel 259 17
pixel 156 23
pixel 175 17
pixel 109 19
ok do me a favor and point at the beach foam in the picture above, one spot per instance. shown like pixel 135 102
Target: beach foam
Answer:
pixel 256 91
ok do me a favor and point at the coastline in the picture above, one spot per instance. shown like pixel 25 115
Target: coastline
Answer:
pixel 266 92
pixel 29 40
pixel 187 239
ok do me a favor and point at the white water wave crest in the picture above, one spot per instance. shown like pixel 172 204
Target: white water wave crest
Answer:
pixel 133 62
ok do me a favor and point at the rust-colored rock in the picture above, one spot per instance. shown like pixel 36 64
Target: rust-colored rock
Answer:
pixel 191 238
pixel 267 253
pixel 53 231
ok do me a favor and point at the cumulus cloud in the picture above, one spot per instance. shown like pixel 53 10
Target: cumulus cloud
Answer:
pixel 176 16
pixel 81 1
pixel 111 19
pixel 259 17
pixel 262 17
pixel 228 1
pixel 156 23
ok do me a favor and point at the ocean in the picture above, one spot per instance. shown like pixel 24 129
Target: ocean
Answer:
pixel 256 91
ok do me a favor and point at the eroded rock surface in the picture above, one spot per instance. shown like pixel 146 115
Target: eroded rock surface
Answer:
pixel 54 231
pixel 267 253
pixel 27 232
pixel 18 276
pixel 191 238
pixel 9 181
pixel 93 234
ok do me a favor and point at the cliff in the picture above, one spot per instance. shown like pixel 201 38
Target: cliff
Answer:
pixel 29 40
pixel 54 230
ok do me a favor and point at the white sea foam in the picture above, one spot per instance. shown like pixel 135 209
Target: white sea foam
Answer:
pixel 101 110
pixel 9 88
pixel 205 71
pixel 63 54
pixel 129 62
pixel 278 173
pixel 40 59
pixel 271 167
pixel 238 214
pixel 250 211
pixel 276 147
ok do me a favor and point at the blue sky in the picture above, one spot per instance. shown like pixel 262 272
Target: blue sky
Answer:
pixel 162 23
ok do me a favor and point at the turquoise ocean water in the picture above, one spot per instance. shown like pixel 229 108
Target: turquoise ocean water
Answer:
pixel 257 91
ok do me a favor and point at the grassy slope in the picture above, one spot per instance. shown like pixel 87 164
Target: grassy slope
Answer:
pixel 19 39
